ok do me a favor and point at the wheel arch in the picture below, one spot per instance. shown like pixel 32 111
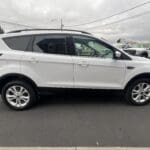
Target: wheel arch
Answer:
pixel 15 76
pixel 140 76
pixel 144 54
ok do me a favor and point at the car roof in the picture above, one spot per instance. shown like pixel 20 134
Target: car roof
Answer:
pixel 31 32
pixel 43 31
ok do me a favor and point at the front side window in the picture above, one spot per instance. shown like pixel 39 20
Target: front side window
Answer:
pixel 89 47
pixel 50 44
pixel 18 43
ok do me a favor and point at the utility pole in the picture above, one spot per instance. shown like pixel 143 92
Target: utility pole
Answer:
pixel 61 27
pixel 61 23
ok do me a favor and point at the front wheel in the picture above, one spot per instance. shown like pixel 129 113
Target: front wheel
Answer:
pixel 144 55
pixel 138 92
pixel 18 95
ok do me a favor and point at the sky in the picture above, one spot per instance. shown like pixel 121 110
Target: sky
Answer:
pixel 48 13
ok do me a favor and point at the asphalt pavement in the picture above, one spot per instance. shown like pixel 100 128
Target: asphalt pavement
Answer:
pixel 87 119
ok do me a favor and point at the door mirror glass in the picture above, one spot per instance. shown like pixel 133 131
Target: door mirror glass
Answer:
pixel 117 54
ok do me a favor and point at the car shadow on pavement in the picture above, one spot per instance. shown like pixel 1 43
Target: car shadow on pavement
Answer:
pixel 82 98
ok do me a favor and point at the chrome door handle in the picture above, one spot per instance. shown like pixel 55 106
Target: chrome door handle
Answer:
pixel 83 64
pixel 34 60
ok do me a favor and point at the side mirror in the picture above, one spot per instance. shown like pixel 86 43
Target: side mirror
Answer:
pixel 117 54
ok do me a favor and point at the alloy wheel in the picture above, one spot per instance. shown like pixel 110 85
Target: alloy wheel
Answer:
pixel 17 96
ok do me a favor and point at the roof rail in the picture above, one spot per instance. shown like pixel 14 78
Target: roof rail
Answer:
pixel 16 31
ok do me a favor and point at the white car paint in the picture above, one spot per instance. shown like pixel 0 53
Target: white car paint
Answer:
pixel 48 70
pixel 98 73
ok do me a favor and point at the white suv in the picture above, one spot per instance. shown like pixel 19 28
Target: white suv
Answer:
pixel 35 61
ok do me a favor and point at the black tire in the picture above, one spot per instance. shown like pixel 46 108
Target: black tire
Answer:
pixel 144 55
pixel 129 90
pixel 26 86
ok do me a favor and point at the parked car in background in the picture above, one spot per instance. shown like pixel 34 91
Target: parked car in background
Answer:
pixel 143 52
pixel 135 48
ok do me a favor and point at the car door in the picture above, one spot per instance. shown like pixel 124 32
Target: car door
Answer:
pixel 49 63
pixel 94 65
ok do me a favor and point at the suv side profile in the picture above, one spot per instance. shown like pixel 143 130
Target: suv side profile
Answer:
pixel 32 61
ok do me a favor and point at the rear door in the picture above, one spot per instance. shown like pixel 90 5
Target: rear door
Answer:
pixel 49 62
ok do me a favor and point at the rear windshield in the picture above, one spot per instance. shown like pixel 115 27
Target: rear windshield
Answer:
pixel 18 43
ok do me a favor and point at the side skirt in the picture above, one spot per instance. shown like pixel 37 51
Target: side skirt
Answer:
pixel 51 91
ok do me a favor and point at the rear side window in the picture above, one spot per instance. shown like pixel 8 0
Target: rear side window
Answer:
pixel 18 43
pixel 50 44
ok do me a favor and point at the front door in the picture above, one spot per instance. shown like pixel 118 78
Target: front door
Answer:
pixel 95 66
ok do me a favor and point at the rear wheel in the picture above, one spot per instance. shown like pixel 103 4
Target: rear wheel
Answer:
pixel 138 93
pixel 18 95
pixel 145 55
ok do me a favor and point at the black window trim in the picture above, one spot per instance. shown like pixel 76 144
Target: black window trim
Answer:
pixel 29 48
pixel 69 44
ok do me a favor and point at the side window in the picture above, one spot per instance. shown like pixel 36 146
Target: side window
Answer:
pixel 89 47
pixel 50 44
pixel 18 43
